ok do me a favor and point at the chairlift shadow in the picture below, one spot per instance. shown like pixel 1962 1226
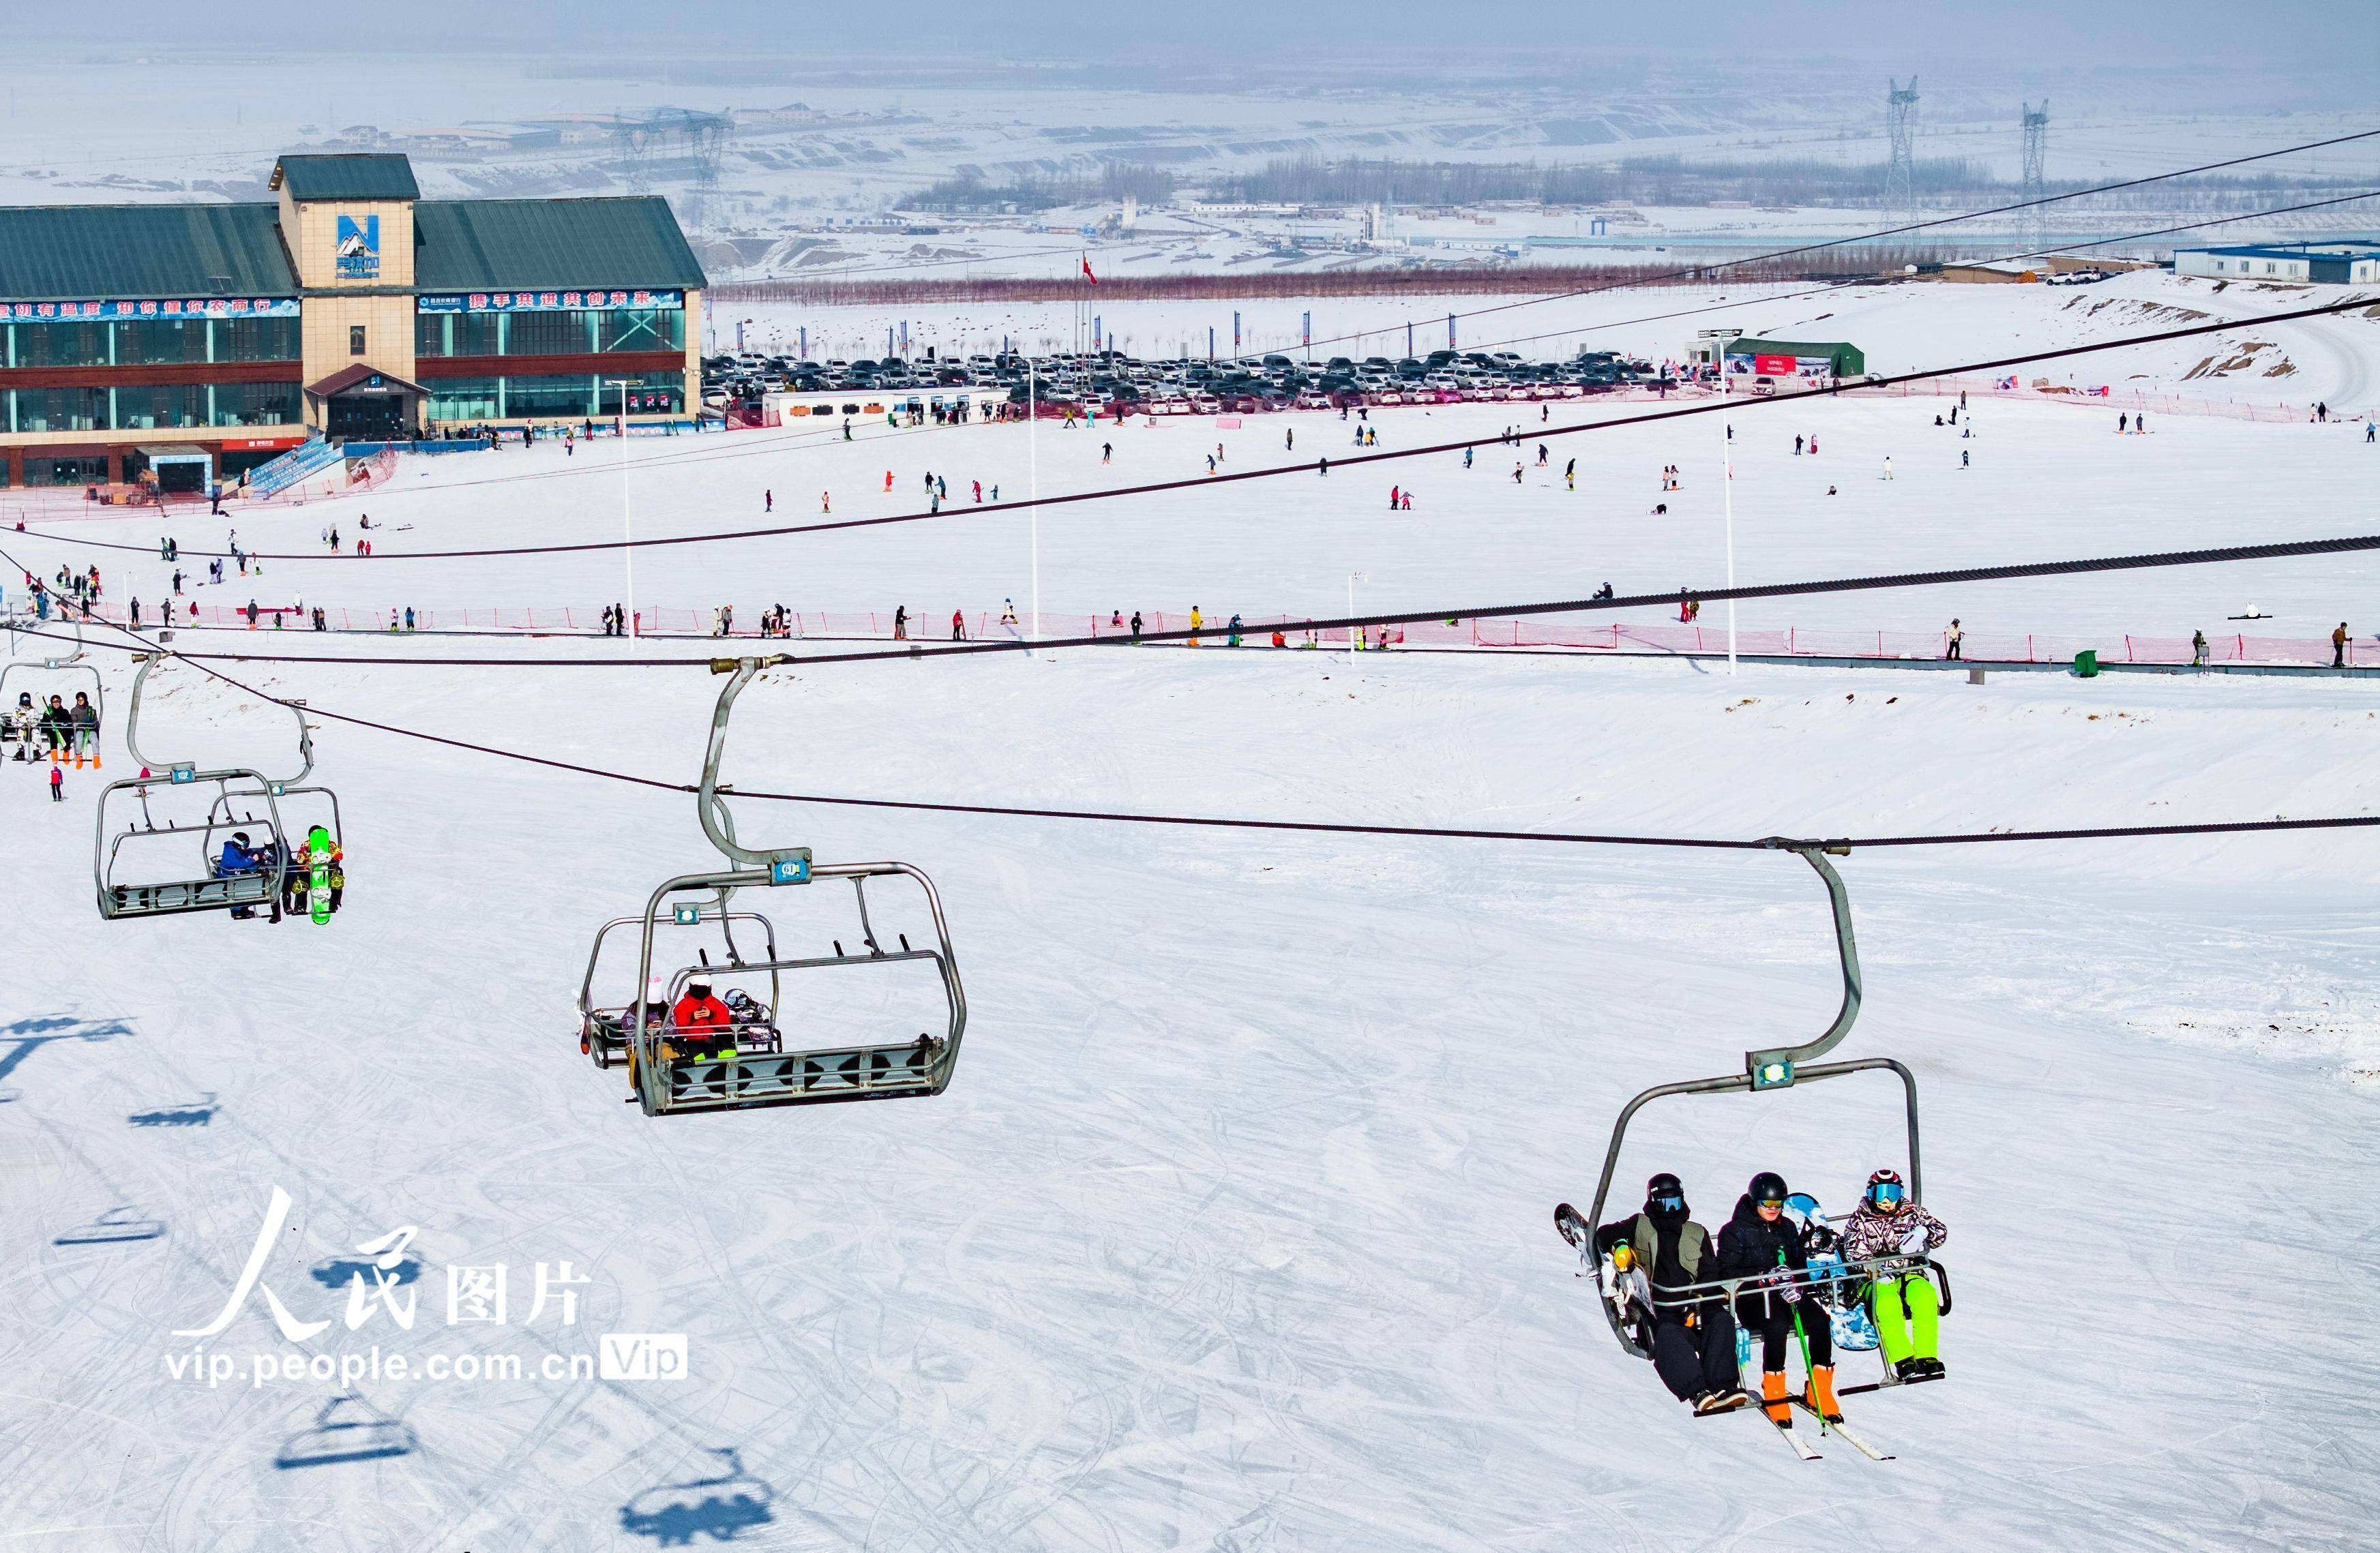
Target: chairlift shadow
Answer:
pixel 347 1429
pixel 117 1224
pixel 337 1272
pixel 197 1113
pixel 718 1507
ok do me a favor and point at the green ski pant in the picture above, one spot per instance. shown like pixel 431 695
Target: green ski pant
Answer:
pixel 1908 1314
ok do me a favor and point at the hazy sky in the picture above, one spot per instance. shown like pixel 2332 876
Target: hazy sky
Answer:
pixel 2341 37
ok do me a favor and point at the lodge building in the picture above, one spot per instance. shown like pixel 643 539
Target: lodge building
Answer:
pixel 199 340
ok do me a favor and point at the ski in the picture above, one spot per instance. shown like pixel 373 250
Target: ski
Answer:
pixel 1802 1447
pixel 1862 1446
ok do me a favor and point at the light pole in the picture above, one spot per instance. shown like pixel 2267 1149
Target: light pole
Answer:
pixel 1727 470
pixel 1352 579
pixel 1033 483
pixel 628 518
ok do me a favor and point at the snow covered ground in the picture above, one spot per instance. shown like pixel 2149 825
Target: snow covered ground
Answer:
pixel 1234 1229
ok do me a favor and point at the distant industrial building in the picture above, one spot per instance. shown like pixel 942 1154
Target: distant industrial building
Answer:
pixel 140 335
pixel 2345 262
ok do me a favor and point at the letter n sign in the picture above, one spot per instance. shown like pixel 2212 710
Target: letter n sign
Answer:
pixel 359 248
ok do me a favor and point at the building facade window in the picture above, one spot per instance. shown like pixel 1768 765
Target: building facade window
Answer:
pixel 66 471
pixel 152 407
pixel 254 404
pixel 59 344
pixel 354 339
pixel 650 393
pixel 149 341
pixel 257 339
pixel 59 409
pixel 552 398
pixel 581 331
pixel 464 399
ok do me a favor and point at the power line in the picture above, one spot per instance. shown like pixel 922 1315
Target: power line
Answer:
pixel 1711 407
pixel 1903 230
pixel 1437 833
pixel 2158 560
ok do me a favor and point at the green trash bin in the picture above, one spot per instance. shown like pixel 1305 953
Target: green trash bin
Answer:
pixel 2086 663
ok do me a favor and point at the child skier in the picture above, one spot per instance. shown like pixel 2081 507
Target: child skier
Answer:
pixel 1907 1309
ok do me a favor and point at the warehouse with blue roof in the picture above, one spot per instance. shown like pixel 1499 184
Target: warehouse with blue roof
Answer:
pixel 349 308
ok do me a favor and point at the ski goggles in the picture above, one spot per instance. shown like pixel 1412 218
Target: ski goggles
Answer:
pixel 1770 1202
pixel 1886 1192
pixel 1671 1202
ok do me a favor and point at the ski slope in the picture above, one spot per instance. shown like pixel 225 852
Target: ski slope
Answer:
pixel 1234 1230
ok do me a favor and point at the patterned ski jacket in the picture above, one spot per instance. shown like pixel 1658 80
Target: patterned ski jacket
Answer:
pixel 1871 1234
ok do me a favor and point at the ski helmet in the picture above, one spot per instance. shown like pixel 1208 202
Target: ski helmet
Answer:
pixel 1664 1194
pixel 1885 1189
pixel 240 836
pixel 1767 1187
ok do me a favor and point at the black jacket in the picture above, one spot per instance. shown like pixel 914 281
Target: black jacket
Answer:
pixel 1663 1266
pixel 1752 1245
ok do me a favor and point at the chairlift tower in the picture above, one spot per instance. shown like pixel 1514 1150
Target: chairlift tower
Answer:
pixel 2035 226
pixel 1901 173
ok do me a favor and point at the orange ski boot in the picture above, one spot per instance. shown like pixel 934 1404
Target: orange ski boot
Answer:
pixel 1773 1402
pixel 1820 1394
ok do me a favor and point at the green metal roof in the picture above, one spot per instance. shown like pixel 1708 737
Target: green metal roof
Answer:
pixel 356 175
pixel 55 253
pixel 489 244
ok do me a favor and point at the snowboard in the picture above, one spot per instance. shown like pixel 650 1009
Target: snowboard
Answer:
pixel 318 875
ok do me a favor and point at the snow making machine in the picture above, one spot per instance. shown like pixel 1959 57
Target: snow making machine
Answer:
pixel 145 865
pixel 1833 1286
pixel 744 1060
pixel 42 679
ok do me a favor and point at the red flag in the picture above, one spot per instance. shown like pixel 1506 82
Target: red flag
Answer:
pixel 1086 270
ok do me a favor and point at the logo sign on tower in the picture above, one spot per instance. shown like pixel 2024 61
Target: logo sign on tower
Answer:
pixel 359 248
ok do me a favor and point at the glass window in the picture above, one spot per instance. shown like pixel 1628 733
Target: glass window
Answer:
pixel 256 404
pixel 61 345
pixel 556 397
pixel 66 471
pixel 257 339
pixel 61 409
pixel 146 406
pixel 430 333
pixel 478 334
pixel 458 399
pixel 354 339
pixel 140 341
pixel 652 394
pixel 558 334
pixel 641 329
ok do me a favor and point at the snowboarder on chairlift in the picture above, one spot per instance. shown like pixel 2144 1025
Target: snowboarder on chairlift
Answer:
pixel 1659 1249
pixel 1762 1245
pixel 1905 1305
pixel 704 1028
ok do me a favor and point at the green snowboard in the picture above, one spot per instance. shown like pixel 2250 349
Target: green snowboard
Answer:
pixel 318 875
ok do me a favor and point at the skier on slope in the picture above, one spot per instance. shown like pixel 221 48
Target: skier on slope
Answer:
pixel 1760 1243
pixel 1907 1309
pixel 1693 1344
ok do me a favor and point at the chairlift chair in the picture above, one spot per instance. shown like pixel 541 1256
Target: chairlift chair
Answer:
pixel 71 664
pixel 1830 1281
pixel 603 1030
pixel 237 793
pixel 669 1076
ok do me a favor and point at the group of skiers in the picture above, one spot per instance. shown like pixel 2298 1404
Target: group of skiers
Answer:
pixel 63 730
pixel 1686 1290
pixel 241 855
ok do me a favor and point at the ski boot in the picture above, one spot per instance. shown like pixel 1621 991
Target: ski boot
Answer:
pixel 1773 1402
pixel 1931 1369
pixel 1820 1394
pixel 1726 1400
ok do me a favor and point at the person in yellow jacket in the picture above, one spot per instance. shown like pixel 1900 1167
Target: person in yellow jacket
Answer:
pixel 1197 620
